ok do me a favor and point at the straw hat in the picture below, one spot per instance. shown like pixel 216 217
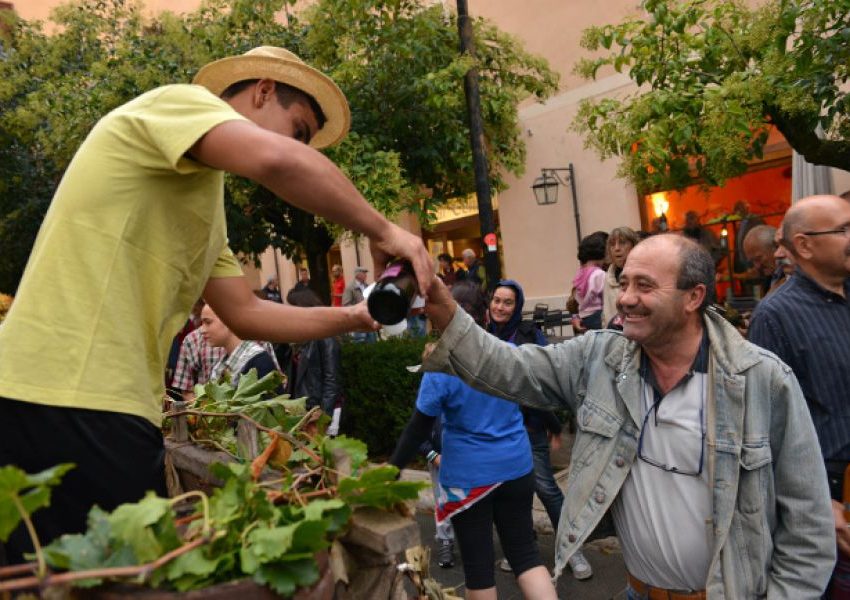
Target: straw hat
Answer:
pixel 279 64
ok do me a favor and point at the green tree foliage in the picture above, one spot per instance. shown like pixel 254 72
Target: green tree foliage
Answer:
pixel 400 65
pixel 396 61
pixel 713 76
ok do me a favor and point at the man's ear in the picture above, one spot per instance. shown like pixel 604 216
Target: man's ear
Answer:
pixel 263 92
pixel 695 297
pixel 802 245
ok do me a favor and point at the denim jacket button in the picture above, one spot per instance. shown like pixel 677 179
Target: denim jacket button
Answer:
pixel 571 538
pixel 599 497
pixel 619 461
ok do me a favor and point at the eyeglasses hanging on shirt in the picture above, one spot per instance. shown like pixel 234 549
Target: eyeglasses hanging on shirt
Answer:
pixel 654 427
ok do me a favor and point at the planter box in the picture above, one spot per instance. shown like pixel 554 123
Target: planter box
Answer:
pixel 370 548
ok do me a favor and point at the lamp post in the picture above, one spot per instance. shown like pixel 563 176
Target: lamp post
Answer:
pixel 545 189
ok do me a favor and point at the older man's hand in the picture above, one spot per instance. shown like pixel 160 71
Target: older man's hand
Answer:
pixel 440 306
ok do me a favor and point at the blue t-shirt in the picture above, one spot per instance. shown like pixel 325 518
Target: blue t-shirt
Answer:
pixel 484 440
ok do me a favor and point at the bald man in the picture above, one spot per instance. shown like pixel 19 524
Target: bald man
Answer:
pixel 759 247
pixel 698 442
pixel 806 323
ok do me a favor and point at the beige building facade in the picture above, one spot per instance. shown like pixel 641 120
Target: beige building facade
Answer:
pixel 538 243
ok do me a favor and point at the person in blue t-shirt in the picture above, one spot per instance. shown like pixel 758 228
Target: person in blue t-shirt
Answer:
pixel 486 473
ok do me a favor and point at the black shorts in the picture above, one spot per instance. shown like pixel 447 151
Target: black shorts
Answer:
pixel 118 458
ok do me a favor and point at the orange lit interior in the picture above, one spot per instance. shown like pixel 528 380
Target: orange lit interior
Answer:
pixel 767 191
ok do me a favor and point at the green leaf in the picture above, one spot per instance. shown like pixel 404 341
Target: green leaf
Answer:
pixel 250 387
pixel 91 550
pixel 146 526
pixel 284 578
pixel 31 491
pixel 194 562
pixel 265 545
pixel 354 448
pixel 378 487
pixel 335 510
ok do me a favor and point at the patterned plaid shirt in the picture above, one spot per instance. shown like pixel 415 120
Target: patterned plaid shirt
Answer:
pixel 195 362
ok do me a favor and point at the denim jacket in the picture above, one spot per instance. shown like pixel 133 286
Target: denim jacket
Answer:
pixel 773 527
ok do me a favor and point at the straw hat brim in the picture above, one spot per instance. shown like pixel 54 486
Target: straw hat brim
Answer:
pixel 217 76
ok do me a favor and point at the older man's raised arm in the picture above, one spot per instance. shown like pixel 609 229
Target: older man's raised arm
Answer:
pixel 540 376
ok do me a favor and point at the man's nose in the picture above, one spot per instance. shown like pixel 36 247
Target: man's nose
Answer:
pixel 626 296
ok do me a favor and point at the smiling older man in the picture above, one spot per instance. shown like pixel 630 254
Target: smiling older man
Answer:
pixel 699 442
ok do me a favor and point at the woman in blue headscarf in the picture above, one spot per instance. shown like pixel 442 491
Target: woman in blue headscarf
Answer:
pixel 506 323
pixel 506 316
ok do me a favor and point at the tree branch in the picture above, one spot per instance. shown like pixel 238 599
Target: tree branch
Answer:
pixel 105 573
pixel 803 139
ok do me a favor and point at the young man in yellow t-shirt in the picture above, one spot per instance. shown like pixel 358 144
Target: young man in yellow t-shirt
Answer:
pixel 134 235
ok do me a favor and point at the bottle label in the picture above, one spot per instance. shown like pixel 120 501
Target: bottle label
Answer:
pixel 392 271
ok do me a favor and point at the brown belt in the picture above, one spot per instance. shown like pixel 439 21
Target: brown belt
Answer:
pixel 654 593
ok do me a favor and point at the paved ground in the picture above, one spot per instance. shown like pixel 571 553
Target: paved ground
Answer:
pixel 608 581
pixel 609 574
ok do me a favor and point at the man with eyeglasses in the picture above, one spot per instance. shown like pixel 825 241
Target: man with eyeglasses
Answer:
pixel 806 323
pixel 699 442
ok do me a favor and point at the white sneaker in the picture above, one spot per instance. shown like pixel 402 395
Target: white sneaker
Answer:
pixel 504 565
pixel 579 565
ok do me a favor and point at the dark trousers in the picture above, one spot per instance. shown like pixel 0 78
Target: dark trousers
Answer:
pixel 509 508
pixel 544 479
pixel 118 458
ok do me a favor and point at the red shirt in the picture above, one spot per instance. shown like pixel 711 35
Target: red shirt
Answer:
pixel 337 288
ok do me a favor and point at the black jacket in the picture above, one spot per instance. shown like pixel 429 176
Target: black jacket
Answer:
pixel 535 419
pixel 316 372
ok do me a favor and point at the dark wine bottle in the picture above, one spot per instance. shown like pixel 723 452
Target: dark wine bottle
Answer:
pixel 394 292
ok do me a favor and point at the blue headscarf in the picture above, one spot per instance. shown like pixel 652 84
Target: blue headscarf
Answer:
pixel 508 330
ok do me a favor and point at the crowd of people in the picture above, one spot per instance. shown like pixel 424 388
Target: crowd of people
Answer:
pixel 722 461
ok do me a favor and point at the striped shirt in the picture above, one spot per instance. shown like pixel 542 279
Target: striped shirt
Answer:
pixel 808 327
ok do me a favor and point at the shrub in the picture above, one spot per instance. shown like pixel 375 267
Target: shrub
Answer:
pixel 380 393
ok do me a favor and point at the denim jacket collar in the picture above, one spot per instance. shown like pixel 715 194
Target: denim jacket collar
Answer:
pixel 724 341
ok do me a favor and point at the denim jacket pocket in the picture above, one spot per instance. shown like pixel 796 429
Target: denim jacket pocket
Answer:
pixel 596 428
pixel 592 418
pixel 756 460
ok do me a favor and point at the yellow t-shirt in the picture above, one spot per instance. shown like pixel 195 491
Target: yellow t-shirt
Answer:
pixel 134 232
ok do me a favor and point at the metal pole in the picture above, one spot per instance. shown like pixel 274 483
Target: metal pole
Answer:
pixel 575 201
pixel 476 133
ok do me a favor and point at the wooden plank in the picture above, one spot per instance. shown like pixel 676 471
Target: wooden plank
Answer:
pixel 180 423
pixel 383 532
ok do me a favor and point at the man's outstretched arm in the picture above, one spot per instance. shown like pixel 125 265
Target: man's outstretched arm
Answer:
pixel 253 319
pixel 305 178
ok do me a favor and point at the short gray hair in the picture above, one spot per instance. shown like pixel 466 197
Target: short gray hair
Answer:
pixel 763 235
pixel 696 267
